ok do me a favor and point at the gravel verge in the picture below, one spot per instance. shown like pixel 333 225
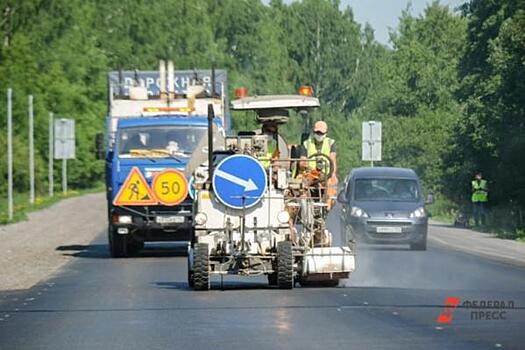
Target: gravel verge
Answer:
pixel 29 248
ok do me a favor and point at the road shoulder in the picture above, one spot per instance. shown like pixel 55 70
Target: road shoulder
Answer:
pixel 36 248
pixel 478 243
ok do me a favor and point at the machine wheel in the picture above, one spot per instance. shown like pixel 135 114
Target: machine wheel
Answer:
pixel 285 265
pixel 118 246
pixel 201 267
pixel 191 279
pixel 326 160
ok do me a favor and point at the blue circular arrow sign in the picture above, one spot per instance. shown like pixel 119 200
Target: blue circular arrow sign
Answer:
pixel 237 179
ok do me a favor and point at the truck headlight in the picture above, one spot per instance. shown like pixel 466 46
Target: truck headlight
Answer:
pixel 201 218
pixel 358 212
pixel 418 213
pixel 283 217
pixel 124 219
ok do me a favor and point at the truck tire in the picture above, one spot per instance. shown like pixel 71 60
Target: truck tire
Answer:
pixel 201 267
pixel 118 247
pixel 285 265
pixel 134 247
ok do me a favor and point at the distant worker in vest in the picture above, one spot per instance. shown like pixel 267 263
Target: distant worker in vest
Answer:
pixel 479 198
pixel 270 130
pixel 319 142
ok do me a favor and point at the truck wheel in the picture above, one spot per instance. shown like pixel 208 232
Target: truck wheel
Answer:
pixel 118 247
pixel 201 267
pixel 285 265
pixel 134 247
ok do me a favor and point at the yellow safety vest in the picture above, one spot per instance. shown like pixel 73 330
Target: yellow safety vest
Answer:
pixel 311 149
pixel 480 191
pixel 266 160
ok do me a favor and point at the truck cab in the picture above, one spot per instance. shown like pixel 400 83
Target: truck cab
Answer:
pixel 152 129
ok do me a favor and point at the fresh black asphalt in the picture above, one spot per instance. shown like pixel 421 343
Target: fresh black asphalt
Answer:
pixel 391 302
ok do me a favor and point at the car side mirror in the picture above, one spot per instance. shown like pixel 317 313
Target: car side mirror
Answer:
pixel 99 146
pixel 430 198
pixel 341 197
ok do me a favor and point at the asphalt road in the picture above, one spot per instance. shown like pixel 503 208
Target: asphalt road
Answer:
pixel 391 302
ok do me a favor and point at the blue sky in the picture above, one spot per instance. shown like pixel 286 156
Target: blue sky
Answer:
pixel 384 14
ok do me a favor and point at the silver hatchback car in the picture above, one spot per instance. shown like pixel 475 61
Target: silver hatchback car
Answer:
pixel 384 206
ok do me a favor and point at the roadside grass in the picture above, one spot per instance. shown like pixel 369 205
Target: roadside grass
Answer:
pixel 443 210
pixel 504 222
pixel 21 205
pixel 501 232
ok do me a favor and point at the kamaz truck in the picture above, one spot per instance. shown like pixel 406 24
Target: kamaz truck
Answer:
pixel 156 121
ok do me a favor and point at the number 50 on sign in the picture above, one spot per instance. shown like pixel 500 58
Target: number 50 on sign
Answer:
pixel 170 187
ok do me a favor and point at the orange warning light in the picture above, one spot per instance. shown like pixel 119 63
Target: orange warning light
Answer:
pixel 241 92
pixel 306 90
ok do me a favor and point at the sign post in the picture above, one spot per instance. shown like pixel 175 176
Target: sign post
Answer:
pixel 371 141
pixel 51 154
pixel 9 154
pixel 64 145
pixel 31 151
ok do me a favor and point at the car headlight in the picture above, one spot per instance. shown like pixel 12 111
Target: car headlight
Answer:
pixel 418 213
pixel 358 212
pixel 283 217
pixel 201 218
pixel 124 219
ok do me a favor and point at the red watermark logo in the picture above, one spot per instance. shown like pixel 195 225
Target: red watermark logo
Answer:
pixel 480 310
pixel 446 315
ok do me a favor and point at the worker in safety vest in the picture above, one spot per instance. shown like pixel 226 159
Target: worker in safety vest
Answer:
pixel 272 152
pixel 318 142
pixel 479 198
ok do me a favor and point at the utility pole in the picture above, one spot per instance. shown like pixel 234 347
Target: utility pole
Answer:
pixel 371 143
pixel 64 175
pixel 31 152
pixel 51 155
pixel 9 154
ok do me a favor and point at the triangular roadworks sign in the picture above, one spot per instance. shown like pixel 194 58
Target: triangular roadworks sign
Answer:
pixel 135 191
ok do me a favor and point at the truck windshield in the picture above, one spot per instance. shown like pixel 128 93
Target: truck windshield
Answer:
pixel 386 190
pixel 159 141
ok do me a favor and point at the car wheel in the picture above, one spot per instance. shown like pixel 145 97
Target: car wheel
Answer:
pixel 419 245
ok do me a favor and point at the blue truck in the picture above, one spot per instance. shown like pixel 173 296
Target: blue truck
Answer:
pixel 157 120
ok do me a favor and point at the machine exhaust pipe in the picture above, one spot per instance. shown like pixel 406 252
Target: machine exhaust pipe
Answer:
pixel 213 81
pixel 211 115
pixel 162 75
pixel 171 81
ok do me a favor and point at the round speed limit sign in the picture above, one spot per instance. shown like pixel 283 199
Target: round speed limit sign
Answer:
pixel 170 187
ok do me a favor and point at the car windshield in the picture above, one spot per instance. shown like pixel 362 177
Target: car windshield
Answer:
pixel 386 190
pixel 159 141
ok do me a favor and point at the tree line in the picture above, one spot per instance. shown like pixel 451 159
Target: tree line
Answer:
pixel 449 89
